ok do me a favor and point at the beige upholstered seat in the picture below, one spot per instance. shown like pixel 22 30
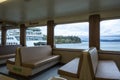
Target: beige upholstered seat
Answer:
pixel 102 69
pixel 89 67
pixel 70 69
pixel 107 70
pixel 7 56
pixel 6 52
pixel 31 60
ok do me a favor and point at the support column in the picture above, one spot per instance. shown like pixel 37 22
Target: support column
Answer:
pixel 23 35
pixel 50 33
pixel 94 31
pixel 3 35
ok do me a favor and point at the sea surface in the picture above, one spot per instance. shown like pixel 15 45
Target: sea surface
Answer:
pixel 110 46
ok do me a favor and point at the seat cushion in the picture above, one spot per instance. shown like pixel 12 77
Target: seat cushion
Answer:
pixel 6 56
pixel 40 62
pixel 70 69
pixel 107 70
pixel 93 58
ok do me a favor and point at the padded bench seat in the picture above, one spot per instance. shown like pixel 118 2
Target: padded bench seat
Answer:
pixel 3 58
pixel 70 69
pixel 31 60
pixel 89 67
pixel 6 52
pixel 7 56
pixel 107 70
pixel 101 69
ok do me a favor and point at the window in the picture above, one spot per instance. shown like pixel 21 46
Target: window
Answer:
pixel 73 35
pixel 36 36
pixel 110 35
pixel 13 37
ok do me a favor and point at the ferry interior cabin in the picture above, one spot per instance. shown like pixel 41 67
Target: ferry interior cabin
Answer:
pixel 59 39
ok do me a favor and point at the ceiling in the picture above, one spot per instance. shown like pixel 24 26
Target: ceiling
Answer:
pixel 61 11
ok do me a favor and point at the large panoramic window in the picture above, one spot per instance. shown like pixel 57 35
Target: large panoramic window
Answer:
pixel 73 35
pixel 13 37
pixel 36 36
pixel 110 35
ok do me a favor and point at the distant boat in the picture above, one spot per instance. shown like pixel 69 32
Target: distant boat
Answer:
pixel 33 37
pixel 11 40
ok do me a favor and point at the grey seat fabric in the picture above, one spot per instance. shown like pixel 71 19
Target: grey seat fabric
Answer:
pixel 107 70
pixel 71 69
pixel 102 69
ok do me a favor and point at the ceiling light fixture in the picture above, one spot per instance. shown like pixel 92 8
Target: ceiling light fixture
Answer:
pixel 2 1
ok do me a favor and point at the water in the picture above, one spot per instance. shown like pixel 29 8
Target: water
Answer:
pixel 111 46
pixel 83 45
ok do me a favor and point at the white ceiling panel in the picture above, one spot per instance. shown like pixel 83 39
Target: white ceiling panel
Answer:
pixel 30 10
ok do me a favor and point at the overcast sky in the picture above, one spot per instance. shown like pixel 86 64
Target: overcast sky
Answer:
pixel 111 27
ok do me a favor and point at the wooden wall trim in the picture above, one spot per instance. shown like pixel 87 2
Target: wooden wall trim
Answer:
pixel 3 35
pixel 50 33
pixel 23 35
pixel 94 31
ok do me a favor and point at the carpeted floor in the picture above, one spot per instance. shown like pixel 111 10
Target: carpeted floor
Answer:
pixel 43 75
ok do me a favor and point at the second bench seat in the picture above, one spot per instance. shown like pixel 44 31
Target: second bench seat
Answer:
pixel 31 60
pixel 70 69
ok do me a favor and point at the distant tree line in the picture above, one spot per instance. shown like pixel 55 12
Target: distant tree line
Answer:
pixel 61 40
pixel 67 39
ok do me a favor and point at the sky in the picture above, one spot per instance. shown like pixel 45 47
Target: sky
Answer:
pixel 69 29
pixel 110 27
pixel 107 28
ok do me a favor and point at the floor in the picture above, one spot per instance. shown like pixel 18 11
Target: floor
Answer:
pixel 43 75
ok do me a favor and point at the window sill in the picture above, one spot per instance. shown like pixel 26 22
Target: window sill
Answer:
pixel 109 52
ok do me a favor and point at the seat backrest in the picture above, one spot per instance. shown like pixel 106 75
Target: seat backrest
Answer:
pixel 93 54
pixel 8 49
pixel 30 53
pixel 89 64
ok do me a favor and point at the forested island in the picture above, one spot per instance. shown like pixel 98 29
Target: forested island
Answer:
pixel 61 40
pixel 67 39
